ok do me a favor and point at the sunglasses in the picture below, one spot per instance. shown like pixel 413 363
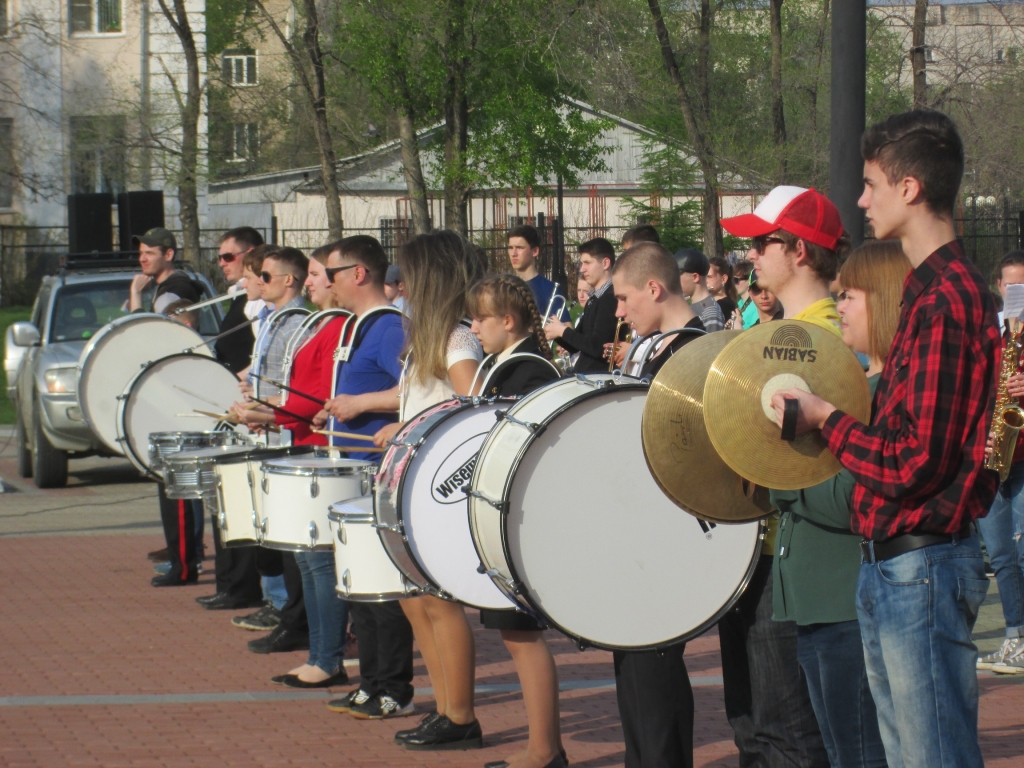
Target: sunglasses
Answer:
pixel 266 277
pixel 227 258
pixel 738 280
pixel 763 241
pixel 332 271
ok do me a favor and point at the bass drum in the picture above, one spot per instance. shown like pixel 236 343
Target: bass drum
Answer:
pixel 116 354
pixel 164 397
pixel 568 549
pixel 420 505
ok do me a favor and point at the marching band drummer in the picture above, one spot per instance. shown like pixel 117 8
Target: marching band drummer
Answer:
pixel 507 322
pixel 441 357
pixel 311 374
pixel 652 687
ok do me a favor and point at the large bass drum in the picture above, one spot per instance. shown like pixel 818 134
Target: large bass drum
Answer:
pixel 117 352
pixel 420 505
pixel 587 540
pixel 167 396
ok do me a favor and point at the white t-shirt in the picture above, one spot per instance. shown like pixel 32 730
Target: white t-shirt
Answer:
pixel 417 396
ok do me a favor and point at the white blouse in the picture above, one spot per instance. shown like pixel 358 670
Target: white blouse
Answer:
pixel 417 396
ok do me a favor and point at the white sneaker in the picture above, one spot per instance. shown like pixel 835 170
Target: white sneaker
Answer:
pixel 1012 664
pixel 1006 650
pixel 381 708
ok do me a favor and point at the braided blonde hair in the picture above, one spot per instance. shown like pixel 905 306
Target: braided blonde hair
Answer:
pixel 509 295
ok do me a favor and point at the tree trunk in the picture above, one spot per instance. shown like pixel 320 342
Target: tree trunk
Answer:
pixel 456 119
pixel 917 57
pixel 413 171
pixel 188 174
pixel 778 112
pixel 819 57
pixel 695 116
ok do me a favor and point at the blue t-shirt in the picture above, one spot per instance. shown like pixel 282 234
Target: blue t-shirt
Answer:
pixel 542 289
pixel 374 366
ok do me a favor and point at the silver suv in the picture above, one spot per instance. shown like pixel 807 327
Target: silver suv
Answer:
pixel 41 360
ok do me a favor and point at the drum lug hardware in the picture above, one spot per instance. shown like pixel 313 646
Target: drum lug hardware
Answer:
pixel 366 483
pixel 481 569
pixel 265 484
pixel 393 528
pixel 584 379
pixel 222 521
pixel 526 424
pixel 314 534
pixel 314 488
pixel 582 644
pixel 501 506
pixel 341 534
pixel 346 579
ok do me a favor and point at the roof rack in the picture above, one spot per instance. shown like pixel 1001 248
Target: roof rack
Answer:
pixel 99 260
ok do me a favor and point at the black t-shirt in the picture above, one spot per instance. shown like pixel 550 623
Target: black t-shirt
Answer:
pixel 728 307
pixel 178 285
pixel 652 366
pixel 519 376
pixel 235 349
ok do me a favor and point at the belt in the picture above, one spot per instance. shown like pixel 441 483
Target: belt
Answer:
pixel 876 551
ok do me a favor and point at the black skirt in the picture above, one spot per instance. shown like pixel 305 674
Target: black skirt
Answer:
pixel 510 619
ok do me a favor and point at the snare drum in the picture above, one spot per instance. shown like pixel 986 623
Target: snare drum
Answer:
pixel 191 474
pixel 365 572
pixel 568 549
pixel 297 492
pixel 238 494
pixel 163 445
pixel 420 505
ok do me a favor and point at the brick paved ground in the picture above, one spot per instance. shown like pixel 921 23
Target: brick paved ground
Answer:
pixel 80 620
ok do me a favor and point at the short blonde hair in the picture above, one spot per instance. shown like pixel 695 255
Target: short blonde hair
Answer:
pixel 880 269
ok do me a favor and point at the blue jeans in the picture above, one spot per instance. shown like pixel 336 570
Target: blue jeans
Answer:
pixel 326 613
pixel 832 657
pixel 1001 530
pixel 916 614
pixel 274 590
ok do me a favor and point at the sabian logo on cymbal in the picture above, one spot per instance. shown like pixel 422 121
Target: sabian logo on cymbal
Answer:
pixel 791 343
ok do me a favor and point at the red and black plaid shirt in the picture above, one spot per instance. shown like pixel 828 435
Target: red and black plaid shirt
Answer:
pixel 919 465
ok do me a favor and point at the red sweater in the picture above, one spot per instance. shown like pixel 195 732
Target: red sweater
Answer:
pixel 311 373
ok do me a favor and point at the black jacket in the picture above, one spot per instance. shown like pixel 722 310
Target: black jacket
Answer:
pixel 181 285
pixel 518 377
pixel 235 349
pixel 654 365
pixel 595 329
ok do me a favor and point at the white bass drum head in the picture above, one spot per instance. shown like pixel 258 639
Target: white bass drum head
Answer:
pixel 164 396
pixel 117 352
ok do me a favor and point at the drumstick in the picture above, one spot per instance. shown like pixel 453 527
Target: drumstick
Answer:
pixel 349 435
pixel 285 387
pixel 282 410
pixel 355 449
pixel 217 416
pixel 197 397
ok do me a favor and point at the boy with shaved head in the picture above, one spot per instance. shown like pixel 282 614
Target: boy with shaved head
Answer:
pixel 653 687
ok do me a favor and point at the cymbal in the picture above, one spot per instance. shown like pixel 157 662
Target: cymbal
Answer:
pixel 769 357
pixel 678 450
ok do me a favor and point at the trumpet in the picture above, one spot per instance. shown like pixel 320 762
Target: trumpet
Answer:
pixel 555 295
pixel 615 345
pixel 1009 416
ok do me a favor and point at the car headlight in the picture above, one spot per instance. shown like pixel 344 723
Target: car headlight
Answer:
pixel 61 380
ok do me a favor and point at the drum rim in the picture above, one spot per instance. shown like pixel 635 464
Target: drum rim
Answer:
pixel 429 585
pixel 524 595
pixel 122 406
pixel 84 363
pixel 190 456
pixel 293 450
pixel 342 471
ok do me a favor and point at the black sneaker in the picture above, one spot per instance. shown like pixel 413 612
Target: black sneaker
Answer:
pixel 381 708
pixel 264 620
pixel 426 721
pixel 443 734
pixel 281 640
pixel 350 699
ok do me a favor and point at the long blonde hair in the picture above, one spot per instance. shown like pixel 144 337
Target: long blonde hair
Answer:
pixel 879 268
pixel 437 269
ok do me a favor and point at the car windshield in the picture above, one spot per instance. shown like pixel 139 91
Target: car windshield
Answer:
pixel 81 310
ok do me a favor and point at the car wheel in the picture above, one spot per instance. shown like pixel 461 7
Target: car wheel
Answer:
pixel 24 451
pixel 49 465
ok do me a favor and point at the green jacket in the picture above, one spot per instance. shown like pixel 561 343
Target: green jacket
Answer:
pixel 817 556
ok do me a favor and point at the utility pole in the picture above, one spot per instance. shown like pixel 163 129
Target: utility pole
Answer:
pixel 144 106
pixel 849 62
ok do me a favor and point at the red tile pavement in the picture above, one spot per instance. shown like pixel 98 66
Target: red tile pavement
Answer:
pixel 81 619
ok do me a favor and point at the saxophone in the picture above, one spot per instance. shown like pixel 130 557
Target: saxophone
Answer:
pixel 1009 416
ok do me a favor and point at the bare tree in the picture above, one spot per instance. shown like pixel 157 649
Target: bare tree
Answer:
pixel 778 111
pixel 696 109
pixel 308 63
pixel 917 54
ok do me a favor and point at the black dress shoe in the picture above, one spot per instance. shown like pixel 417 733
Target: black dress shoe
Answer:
pixel 172 580
pixel 444 734
pixel 225 602
pixel 281 640
pixel 338 678
pixel 159 555
pixel 558 761
pixel 209 598
pixel 280 679
pixel 426 722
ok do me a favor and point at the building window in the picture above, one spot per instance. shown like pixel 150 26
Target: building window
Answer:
pixel 240 69
pixel 97 154
pixel 973 14
pixel 928 55
pixel 245 142
pixel 7 170
pixel 100 16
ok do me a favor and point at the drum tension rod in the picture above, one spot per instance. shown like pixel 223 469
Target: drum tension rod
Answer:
pixel 501 506
pixel 535 428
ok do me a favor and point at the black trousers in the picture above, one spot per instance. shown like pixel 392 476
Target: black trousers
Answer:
pixel 656 707
pixel 293 614
pixel 766 697
pixel 385 649
pixel 235 568
pixel 178 520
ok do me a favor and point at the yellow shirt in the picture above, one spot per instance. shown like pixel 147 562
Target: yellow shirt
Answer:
pixel 823 313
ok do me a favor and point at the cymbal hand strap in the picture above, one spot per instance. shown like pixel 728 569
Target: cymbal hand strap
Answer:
pixel 789 417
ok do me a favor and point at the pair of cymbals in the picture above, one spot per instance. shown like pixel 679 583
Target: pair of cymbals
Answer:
pixel 709 431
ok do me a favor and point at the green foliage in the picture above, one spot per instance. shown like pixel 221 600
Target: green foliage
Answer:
pixel 226 20
pixel 679 226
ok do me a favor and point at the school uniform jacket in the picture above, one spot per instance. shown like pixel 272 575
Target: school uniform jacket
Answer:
pixel 596 328
pixel 524 375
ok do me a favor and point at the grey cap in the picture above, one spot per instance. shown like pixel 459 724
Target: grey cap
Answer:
pixel 691 260
pixel 394 275
pixel 157 237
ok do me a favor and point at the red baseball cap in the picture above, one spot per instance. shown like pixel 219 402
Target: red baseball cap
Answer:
pixel 805 213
